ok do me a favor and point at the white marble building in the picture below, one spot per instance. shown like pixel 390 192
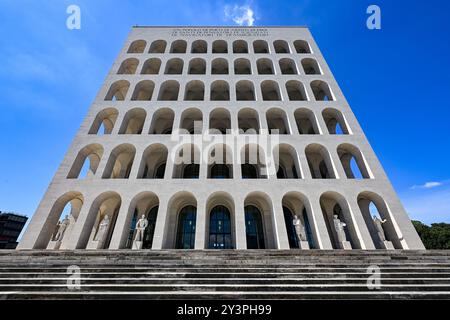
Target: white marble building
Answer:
pixel 179 133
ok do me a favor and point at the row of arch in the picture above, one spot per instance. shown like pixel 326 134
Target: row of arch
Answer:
pixel 220 46
pixel 253 160
pixel 220 66
pixel 191 121
pixel 220 91
pixel 180 229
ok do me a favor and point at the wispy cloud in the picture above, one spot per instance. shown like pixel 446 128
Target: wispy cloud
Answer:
pixel 428 185
pixel 240 14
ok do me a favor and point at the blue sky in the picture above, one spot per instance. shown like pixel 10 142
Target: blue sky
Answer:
pixel 396 80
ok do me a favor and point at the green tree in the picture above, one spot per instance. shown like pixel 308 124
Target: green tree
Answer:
pixel 436 236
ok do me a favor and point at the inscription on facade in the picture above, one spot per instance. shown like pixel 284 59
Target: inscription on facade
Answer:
pixel 220 32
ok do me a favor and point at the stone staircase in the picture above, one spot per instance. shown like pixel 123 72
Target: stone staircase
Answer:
pixel 229 274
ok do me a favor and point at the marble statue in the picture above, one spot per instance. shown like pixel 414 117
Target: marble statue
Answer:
pixel 339 227
pixel 141 225
pixel 62 227
pixel 379 227
pixel 102 229
pixel 299 228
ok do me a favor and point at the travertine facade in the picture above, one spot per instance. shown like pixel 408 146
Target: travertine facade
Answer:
pixel 178 92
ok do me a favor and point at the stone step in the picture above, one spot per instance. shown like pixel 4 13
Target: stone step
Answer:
pixel 226 287
pixel 243 269
pixel 228 274
pixel 226 295
pixel 201 275
pixel 221 281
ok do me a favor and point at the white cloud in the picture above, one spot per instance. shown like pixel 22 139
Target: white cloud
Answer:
pixel 241 15
pixel 428 185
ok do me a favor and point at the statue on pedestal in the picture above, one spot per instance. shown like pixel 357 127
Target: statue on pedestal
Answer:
pixel 299 229
pixel 62 227
pixel 339 227
pixel 141 225
pixel 379 227
pixel 102 229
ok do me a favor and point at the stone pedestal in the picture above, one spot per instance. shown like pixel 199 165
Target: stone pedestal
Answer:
pixel 345 245
pixel 54 245
pixel 137 245
pixel 304 245
pixel 387 245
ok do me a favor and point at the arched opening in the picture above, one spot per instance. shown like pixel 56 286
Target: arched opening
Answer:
pixel 254 228
pixel 104 121
pixel 281 46
pixel 306 121
pixel 302 46
pixel 133 122
pixel 197 66
pixel 169 91
pixel 220 90
pixel 260 46
pixel 310 66
pixel 178 46
pixel 137 46
pixel 245 90
pixel 339 222
pixel 86 162
pixel 287 66
pixel 191 121
pixel 277 122
pixel 174 66
pixel 144 205
pixel 220 162
pixel 199 46
pixel 128 66
pixel 195 90
pixel 248 121
pixel 240 46
pixel 158 46
pixel 187 162
pixel 219 121
pixel 143 90
pixel 120 162
pixel 219 66
pixel 265 66
pixel 253 162
pixel 186 228
pixel 353 162
pixel 151 66
pixel 286 162
pixel 242 66
pixel 335 121
pixel 322 91
pixel 296 91
pixel 219 46
pixel 259 221
pixel 319 162
pixel 379 220
pixel 180 224
pixel 270 91
pixel 153 163
pixel 297 205
pixel 118 91
pixel 220 229
pixel 60 221
pixel 162 121
pixel 100 222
